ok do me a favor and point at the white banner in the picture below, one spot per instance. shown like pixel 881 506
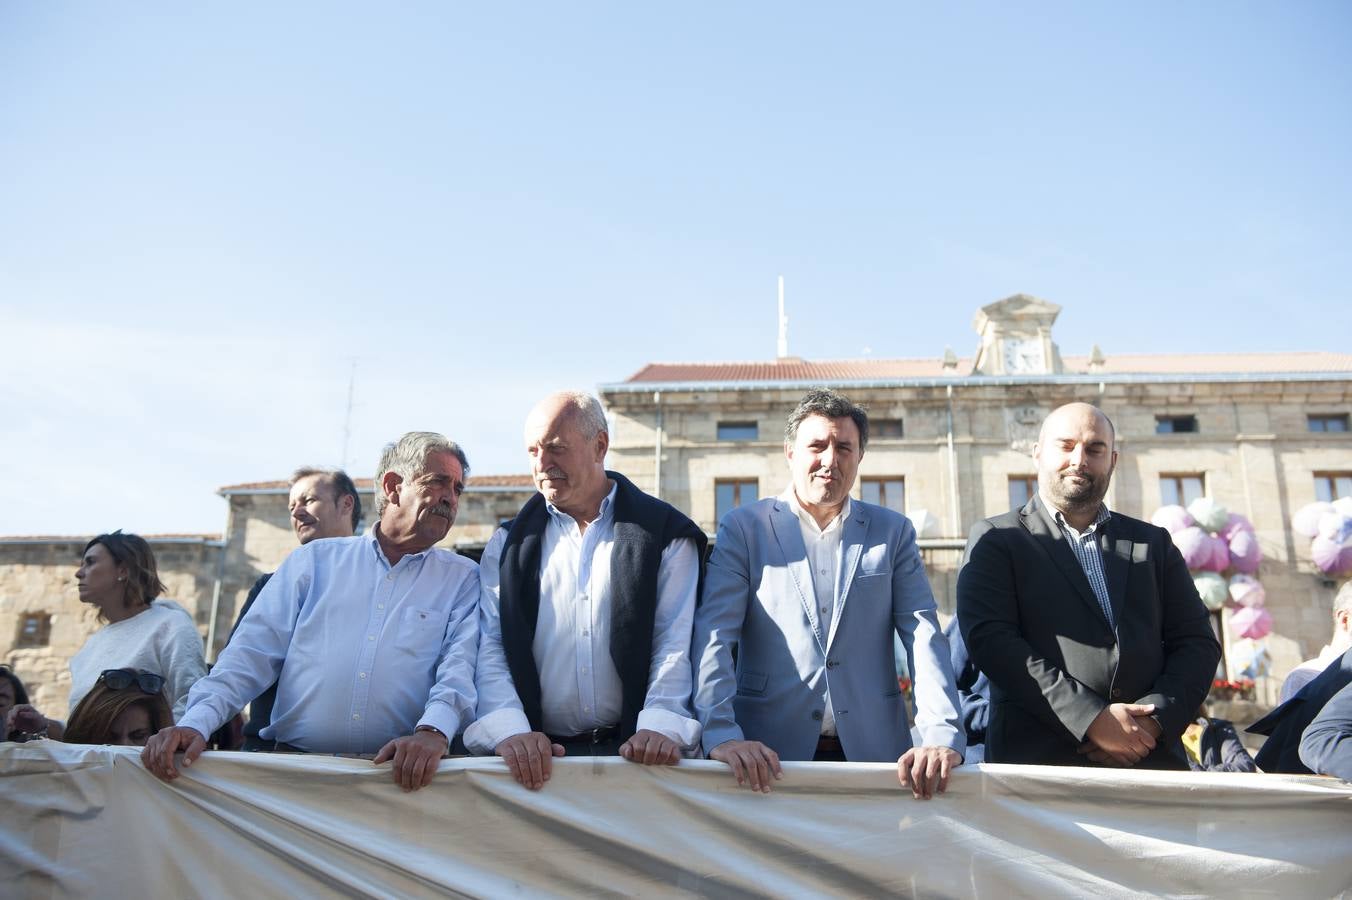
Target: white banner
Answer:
pixel 90 821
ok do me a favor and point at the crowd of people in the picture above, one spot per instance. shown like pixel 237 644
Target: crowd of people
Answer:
pixel 598 623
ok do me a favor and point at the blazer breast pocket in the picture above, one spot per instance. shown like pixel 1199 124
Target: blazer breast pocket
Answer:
pixel 751 684
pixel 873 561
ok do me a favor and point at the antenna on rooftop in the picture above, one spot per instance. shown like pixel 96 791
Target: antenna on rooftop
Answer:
pixel 347 418
pixel 783 323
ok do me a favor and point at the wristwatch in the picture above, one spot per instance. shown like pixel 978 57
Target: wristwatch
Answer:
pixel 437 731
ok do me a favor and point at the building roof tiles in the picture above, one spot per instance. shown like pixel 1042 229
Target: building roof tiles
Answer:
pixel 367 484
pixel 795 369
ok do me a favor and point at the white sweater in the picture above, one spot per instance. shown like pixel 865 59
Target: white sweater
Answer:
pixel 162 639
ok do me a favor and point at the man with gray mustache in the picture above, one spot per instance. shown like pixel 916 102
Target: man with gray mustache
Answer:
pixel 372 639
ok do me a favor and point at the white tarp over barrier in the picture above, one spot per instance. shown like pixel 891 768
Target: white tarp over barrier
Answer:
pixel 90 821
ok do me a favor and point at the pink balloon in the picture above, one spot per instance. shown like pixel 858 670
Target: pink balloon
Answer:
pixel 1245 590
pixel 1195 545
pixel 1331 557
pixel 1234 525
pixel 1220 555
pixel 1245 554
pixel 1251 622
pixel 1172 518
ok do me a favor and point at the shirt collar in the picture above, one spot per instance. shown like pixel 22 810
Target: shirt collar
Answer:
pixel 374 542
pixel 1104 514
pixel 804 516
pixel 607 502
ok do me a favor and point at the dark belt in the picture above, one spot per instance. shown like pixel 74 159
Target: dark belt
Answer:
pixel 595 736
pixel 829 744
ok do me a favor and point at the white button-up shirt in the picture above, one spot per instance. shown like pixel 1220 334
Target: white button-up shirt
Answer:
pixel 363 652
pixel 823 555
pixel 579 686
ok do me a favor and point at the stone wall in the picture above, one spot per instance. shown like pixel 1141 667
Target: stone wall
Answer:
pixel 260 537
pixel 38 576
pixel 1252 445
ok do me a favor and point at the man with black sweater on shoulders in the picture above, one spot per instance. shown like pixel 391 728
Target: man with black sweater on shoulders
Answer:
pixel 585 611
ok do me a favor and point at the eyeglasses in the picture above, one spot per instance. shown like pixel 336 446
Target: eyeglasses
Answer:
pixel 121 679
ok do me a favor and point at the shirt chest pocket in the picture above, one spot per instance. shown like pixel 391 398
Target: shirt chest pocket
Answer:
pixel 420 631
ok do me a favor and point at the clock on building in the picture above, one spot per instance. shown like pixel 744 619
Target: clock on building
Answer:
pixel 1023 356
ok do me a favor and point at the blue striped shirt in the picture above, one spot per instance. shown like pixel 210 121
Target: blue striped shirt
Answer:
pixel 1084 544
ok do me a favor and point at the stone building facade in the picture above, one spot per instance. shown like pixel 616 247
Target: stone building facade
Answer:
pixel 950 445
pixel 259 536
pixel 1261 433
pixel 43 623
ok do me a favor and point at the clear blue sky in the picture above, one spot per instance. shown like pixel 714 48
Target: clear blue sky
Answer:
pixel 207 214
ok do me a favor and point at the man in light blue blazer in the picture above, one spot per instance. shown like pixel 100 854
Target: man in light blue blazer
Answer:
pixel 793 637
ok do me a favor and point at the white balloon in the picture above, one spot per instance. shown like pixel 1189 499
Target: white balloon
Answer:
pixel 1336 527
pixel 1306 519
pixel 1211 588
pixel 926 524
pixel 1208 513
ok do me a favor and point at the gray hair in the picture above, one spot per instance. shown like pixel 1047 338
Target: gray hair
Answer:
pixel 338 481
pixel 587 412
pixel 830 405
pixel 1342 601
pixel 407 457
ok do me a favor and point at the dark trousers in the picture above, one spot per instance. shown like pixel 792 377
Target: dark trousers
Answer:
pixel 829 750
pixel 601 742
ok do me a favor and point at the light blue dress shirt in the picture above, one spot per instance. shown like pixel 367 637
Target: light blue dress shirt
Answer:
pixel 579 686
pixel 363 651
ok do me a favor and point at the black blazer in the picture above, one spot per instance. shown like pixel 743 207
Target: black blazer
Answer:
pixel 1033 625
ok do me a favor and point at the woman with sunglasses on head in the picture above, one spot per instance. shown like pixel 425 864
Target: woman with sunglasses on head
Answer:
pixel 124 708
pixel 117 576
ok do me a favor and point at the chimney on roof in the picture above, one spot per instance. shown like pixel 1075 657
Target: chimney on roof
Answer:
pixel 783 347
pixel 1096 360
pixel 950 360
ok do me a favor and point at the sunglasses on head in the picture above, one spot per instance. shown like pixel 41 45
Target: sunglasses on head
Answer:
pixel 121 679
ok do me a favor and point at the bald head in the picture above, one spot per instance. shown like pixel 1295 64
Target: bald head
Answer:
pixel 581 409
pixel 1075 457
pixel 1078 411
pixel 567 440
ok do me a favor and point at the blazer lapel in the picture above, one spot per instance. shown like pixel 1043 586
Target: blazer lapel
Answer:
pixel 789 535
pixel 1117 556
pixel 1053 543
pixel 851 548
